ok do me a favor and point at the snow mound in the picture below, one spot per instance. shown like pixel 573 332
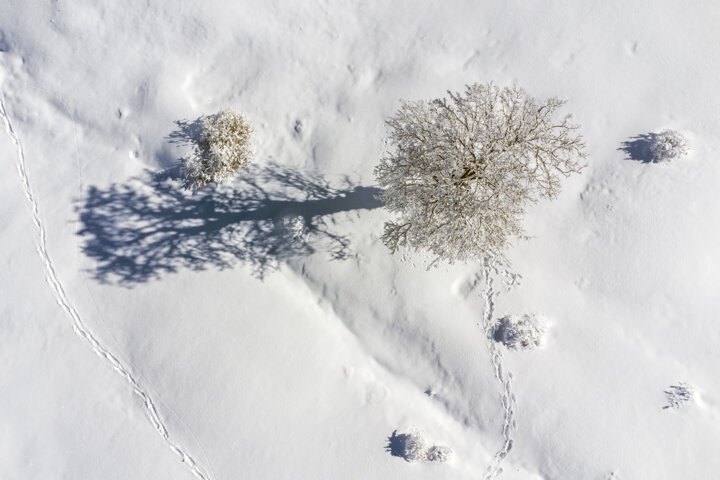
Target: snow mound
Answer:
pixel 519 332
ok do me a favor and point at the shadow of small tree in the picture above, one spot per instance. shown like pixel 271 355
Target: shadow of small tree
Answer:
pixel 637 148
pixel 151 226
pixel 396 444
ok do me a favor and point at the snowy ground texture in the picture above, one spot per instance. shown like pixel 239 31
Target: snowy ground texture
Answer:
pixel 261 330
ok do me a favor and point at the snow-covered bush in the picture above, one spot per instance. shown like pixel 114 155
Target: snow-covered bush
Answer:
pixel 667 145
pixel 679 394
pixel 438 453
pixel 294 225
pixel 519 332
pixel 223 149
pixel 413 447
pixel 459 171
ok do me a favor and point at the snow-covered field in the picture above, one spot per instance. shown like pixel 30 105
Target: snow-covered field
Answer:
pixel 149 333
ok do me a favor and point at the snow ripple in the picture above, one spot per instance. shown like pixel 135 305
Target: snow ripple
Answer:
pixel 78 326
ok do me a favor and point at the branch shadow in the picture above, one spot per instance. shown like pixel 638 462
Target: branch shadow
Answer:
pixel 637 148
pixel 189 132
pixel 188 135
pixel 151 226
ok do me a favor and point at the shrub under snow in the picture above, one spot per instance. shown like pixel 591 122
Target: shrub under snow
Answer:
pixel 413 447
pixel 294 225
pixel 679 394
pixel 224 148
pixel 519 332
pixel 438 453
pixel 667 145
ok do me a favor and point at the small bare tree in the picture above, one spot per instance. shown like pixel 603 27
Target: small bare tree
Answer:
pixel 459 171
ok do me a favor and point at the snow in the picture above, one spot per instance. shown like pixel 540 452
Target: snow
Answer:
pixel 307 371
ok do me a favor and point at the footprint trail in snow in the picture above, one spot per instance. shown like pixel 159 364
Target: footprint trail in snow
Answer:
pixel 504 377
pixel 77 324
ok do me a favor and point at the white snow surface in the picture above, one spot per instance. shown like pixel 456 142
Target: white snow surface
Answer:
pixel 145 334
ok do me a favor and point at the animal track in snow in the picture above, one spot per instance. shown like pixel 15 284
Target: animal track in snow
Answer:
pixel 77 324
pixel 504 377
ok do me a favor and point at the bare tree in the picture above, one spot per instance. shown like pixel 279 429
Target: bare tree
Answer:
pixel 460 171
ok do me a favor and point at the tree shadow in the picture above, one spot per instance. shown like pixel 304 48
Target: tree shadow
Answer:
pixel 637 148
pixel 151 226
pixel 188 135
pixel 189 132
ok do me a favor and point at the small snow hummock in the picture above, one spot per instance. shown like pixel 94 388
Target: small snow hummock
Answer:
pixel 295 226
pixel 413 447
pixel 678 394
pixel 667 145
pixel 519 332
pixel 438 453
